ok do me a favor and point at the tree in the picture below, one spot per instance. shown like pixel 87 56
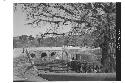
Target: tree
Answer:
pixel 23 37
pixel 95 19
pixel 31 38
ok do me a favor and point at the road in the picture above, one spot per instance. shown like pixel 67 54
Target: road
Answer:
pixel 79 76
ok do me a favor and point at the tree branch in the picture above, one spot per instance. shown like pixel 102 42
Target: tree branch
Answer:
pixel 66 10
pixel 54 33
pixel 39 20
pixel 57 16
pixel 74 7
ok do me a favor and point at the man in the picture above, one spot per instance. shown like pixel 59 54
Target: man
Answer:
pixel 84 66
pixel 23 50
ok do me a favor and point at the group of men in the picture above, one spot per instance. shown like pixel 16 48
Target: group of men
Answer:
pixel 84 66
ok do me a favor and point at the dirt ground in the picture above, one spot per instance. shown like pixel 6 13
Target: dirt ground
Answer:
pixel 20 64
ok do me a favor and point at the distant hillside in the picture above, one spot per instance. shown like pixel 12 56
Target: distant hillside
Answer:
pixel 59 41
pixel 46 42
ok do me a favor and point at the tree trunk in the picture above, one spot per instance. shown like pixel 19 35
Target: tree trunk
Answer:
pixel 108 59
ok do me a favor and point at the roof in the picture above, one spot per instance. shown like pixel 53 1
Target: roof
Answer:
pixel 45 48
pixel 70 49
pixel 54 48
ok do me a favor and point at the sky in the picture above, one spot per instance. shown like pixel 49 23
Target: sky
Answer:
pixel 19 27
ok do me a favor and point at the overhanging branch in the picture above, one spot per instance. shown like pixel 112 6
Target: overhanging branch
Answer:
pixel 39 20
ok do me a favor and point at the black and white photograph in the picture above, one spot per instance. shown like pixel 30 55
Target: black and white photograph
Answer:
pixel 65 42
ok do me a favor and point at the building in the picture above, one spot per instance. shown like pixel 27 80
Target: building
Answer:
pixel 65 53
